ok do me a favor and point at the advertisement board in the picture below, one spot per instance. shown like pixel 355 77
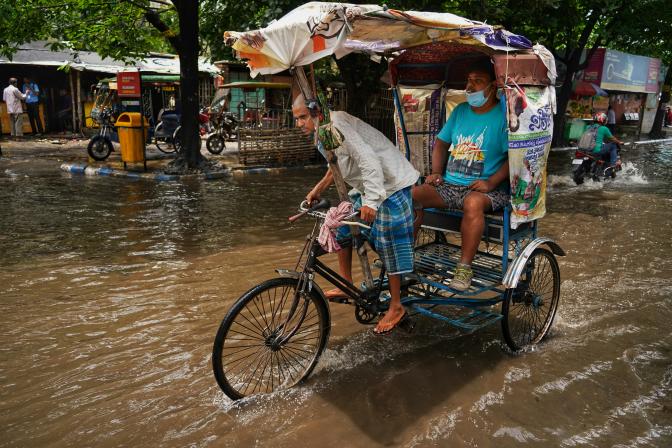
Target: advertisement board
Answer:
pixel 128 84
pixel 629 72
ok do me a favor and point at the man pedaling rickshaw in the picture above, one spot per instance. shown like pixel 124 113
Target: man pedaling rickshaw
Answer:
pixel 470 167
pixel 381 178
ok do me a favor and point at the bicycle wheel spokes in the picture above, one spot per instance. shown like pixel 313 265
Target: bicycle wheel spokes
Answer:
pixel 254 352
pixel 530 308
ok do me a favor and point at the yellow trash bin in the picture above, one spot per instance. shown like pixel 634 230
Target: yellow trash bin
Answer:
pixel 131 137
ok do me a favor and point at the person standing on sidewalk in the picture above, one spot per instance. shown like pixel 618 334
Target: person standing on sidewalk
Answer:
pixel 611 119
pixel 12 97
pixel 32 92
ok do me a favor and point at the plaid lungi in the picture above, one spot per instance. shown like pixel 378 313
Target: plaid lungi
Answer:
pixel 391 233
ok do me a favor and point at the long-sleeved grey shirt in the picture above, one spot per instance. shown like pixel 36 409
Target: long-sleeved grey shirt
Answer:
pixel 369 162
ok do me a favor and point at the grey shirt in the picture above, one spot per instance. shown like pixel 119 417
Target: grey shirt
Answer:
pixel 369 162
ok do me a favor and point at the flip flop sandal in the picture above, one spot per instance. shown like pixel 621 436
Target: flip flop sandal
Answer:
pixel 405 323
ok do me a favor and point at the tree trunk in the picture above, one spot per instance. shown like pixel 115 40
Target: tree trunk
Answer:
pixel 574 64
pixel 188 53
pixel 362 80
pixel 657 128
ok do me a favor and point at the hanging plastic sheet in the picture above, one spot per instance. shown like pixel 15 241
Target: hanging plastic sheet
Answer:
pixel 422 116
pixel 530 119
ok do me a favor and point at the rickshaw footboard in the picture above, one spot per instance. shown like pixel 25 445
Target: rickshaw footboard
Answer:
pixel 436 263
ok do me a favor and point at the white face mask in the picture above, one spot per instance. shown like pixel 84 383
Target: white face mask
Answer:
pixel 478 98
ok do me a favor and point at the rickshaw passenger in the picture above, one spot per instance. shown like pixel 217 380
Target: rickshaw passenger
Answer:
pixel 382 179
pixel 470 167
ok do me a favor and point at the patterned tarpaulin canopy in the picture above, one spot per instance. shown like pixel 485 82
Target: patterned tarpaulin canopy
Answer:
pixel 315 30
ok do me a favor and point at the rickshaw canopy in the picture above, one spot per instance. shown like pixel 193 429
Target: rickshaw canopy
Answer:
pixel 315 30
pixel 256 85
pixel 430 52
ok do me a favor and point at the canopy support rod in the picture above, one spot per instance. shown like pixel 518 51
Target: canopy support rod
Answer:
pixel 305 87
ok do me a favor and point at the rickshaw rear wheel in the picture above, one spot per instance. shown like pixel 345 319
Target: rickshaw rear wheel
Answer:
pixel 529 309
pixel 249 356
pixel 99 147
pixel 215 144
pixel 163 143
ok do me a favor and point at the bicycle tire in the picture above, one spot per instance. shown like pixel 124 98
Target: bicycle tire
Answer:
pixel 529 309
pixel 245 340
pixel 163 144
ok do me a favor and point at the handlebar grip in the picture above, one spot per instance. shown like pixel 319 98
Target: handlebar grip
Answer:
pixel 323 203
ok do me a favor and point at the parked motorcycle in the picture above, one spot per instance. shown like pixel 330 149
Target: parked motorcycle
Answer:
pixel 226 128
pixel 100 146
pixel 595 167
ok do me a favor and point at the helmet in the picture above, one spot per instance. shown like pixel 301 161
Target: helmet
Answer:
pixel 600 118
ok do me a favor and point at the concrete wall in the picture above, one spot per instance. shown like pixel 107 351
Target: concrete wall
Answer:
pixel 649 112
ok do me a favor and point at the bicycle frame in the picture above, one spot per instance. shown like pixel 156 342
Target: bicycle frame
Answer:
pixel 366 299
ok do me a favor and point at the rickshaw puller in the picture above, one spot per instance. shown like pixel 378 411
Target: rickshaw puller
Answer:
pixel 470 167
pixel 381 178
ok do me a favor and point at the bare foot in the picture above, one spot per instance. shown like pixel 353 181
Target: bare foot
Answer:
pixel 390 320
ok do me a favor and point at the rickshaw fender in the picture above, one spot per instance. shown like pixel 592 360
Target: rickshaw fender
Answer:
pixel 516 267
pixel 288 273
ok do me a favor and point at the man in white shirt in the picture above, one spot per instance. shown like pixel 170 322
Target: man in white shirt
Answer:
pixel 12 97
pixel 611 119
pixel 381 178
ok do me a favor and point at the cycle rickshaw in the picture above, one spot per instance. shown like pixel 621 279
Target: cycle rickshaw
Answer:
pixel 274 334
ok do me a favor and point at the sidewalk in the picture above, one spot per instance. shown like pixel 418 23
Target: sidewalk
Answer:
pixel 70 153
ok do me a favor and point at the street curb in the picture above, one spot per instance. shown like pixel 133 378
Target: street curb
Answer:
pixel 637 143
pixel 87 170
pixel 277 170
pixel 91 170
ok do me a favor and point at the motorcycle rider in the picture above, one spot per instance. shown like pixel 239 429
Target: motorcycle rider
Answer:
pixel 604 134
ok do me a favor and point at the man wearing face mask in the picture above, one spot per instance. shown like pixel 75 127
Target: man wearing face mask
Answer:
pixel 470 167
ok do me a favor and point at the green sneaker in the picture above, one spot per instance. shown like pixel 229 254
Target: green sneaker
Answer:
pixel 462 278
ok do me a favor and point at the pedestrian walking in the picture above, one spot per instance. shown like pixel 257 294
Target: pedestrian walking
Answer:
pixel 12 97
pixel 32 92
pixel 611 119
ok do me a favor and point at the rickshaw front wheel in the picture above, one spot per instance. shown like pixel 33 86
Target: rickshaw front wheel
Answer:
pixel 252 353
pixel 529 309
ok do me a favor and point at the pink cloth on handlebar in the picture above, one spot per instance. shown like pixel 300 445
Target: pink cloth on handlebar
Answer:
pixel 332 221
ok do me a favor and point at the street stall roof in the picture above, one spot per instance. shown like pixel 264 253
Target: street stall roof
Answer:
pixel 38 53
pixel 315 30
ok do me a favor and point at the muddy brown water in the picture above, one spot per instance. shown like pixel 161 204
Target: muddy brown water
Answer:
pixel 111 292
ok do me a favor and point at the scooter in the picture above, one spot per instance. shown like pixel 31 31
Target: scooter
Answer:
pixel 593 166
pixel 226 127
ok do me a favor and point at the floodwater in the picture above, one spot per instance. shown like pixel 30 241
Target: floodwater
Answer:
pixel 111 292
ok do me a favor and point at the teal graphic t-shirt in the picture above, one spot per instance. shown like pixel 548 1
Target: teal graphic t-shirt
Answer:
pixel 479 144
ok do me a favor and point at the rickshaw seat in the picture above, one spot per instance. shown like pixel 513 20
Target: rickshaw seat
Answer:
pixel 448 220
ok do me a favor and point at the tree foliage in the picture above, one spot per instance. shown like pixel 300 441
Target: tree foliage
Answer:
pixel 125 30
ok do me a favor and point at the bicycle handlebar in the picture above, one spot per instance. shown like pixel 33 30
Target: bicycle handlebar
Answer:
pixel 324 204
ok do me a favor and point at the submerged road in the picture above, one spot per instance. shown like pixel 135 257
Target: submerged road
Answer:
pixel 111 292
